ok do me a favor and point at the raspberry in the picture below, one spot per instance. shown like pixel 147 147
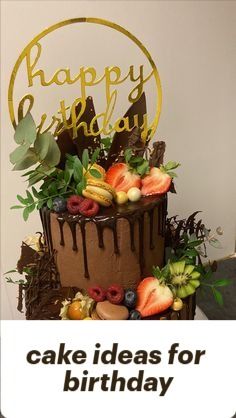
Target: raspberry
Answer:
pixel 115 294
pixel 73 204
pixel 97 293
pixel 89 207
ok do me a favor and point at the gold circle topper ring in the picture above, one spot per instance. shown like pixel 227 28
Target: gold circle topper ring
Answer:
pixel 111 97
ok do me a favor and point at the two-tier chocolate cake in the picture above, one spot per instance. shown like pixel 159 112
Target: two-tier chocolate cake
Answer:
pixel 102 241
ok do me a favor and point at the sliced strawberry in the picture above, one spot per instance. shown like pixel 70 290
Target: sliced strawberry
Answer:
pixel 153 297
pixel 158 181
pixel 155 182
pixel 121 178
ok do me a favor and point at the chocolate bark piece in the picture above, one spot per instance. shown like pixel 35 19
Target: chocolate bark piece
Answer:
pixel 121 139
pixel 157 154
pixel 108 311
pixel 76 146
pixel 66 146
pixel 135 142
pixel 28 257
pixel 90 142
pixel 50 305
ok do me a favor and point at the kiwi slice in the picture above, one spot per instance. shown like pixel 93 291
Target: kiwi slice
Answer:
pixel 184 278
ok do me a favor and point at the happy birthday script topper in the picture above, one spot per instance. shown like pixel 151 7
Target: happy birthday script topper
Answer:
pixel 67 116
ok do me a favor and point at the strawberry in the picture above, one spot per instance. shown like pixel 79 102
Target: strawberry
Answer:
pixel 153 297
pixel 159 180
pixel 121 178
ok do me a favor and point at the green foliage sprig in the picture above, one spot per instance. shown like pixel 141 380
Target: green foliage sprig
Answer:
pixel 136 163
pixel 188 239
pixel 60 183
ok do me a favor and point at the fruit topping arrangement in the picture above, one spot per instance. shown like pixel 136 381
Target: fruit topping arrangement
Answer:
pixel 81 185
pixel 154 295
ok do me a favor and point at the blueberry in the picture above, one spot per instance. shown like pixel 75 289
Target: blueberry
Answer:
pixel 130 298
pixel 59 204
pixel 134 315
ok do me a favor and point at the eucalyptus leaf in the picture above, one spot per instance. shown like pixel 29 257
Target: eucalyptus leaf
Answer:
pixel 29 160
pixel 53 154
pixel 19 153
pixel 25 131
pixel 41 144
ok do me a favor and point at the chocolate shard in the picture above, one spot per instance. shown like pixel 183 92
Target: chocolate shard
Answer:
pixel 66 146
pixel 121 139
pixel 157 154
pixel 90 142
pixel 28 257
pixel 76 146
pixel 135 142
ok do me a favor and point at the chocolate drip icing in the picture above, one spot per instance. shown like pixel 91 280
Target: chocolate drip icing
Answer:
pixel 100 235
pixel 107 218
pixel 114 229
pixel 131 227
pixel 83 233
pixel 61 223
pixel 72 226
pixel 141 232
pixel 151 216
pixel 45 219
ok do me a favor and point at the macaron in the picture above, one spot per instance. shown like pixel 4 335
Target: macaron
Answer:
pixel 94 315
pixel 108 311
pixel 100 191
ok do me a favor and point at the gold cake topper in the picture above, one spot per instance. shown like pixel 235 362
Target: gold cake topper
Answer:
pixel 87 77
